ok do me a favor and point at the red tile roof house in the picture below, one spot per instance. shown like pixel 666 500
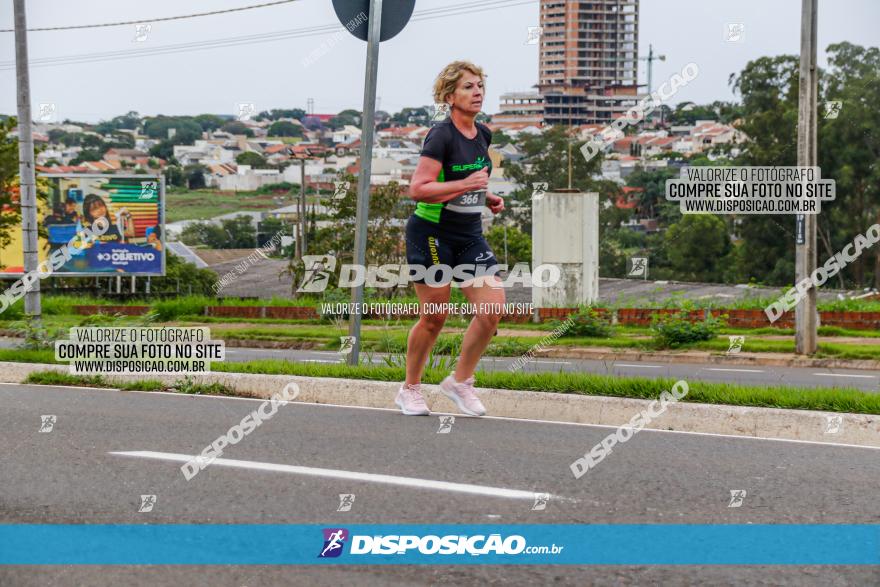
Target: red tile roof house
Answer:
pixel 352 148
pixel 277 153
pixel 623 146
pixel 711 133
pixel 63 169
pixel 657 145
pixel 127 155
pixel 309 150
pixel 145 162
pixel 273 149
pixel 403 132
pixel 628 198
pixel 101 166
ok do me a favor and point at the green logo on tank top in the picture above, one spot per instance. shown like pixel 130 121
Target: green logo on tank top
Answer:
pixel 478 164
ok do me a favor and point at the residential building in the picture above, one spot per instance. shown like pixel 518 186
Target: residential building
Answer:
pixel 129 156
pixel 588 60
pixel 346 134
pixel 520 108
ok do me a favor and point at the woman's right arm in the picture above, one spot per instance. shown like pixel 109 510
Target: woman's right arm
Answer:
pixel 424 186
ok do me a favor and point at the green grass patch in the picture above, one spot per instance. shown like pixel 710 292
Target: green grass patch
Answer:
pixel 821 399
pixel 28 356
pixel 205 204
pixel 777 396
pixel 848 351
pixel 185 385
pixel 55 378
pixel 838 331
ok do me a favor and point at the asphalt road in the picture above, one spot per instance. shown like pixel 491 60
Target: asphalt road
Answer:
pixel 743 374
pixel 74 474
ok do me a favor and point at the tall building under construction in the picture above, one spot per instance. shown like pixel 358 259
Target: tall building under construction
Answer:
pixel 588 65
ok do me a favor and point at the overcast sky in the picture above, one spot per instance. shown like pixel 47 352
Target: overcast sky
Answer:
pixel 272 74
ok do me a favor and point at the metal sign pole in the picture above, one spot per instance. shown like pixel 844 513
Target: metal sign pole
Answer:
pixel 363 193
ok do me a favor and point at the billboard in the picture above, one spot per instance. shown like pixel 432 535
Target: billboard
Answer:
pixel 133 242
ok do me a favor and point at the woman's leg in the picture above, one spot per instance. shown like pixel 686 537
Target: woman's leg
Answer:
pixel 424 334
pixel 487 294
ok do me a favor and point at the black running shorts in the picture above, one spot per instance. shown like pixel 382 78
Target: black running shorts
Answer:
pixel 458 247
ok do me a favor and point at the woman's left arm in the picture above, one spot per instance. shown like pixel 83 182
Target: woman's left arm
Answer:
pixel 494 203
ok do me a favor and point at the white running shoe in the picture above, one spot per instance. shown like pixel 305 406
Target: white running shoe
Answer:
pixel 411 402
pixel 464 395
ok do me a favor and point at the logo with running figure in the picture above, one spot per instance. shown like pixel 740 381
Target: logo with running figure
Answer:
pixel 539 189
pixel 334 540
pixel 479 163
pixel 483 256
pixel 346 500
pixel 440 111
pixel 316 272
pixel 47 422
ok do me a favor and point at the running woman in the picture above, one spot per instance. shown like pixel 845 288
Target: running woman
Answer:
pixel 450 186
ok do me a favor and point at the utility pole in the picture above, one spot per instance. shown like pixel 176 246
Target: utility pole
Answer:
pixel 363 201
pixel 569 167
pixel 27 176
pixel 805 229
pixel 302 200
pixel 298 249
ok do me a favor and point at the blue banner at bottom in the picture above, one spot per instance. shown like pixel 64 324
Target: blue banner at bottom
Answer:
pixel 470 544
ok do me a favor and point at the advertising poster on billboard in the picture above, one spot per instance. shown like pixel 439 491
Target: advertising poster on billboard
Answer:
pixel 132 242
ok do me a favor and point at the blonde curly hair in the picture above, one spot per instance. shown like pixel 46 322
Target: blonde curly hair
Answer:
pixel 447 80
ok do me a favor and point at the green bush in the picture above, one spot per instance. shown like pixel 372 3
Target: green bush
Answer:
pixel 101 319
pixel 674 330
pixel 14 312
pixel 37 336
pixel 173 308
pixel 271 188
pixel 59 305
pixel 507 348
pixel 586 322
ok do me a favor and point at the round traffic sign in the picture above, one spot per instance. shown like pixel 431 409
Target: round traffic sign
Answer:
pixel 353 14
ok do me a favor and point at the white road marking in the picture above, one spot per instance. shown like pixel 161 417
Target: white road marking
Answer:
pixel 341 474
pixel 638 366
pixel 560 362
pixel 845 375
pixel 317 361
pixel 737 370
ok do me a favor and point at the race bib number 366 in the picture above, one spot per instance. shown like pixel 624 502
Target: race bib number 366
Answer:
pixel 469 202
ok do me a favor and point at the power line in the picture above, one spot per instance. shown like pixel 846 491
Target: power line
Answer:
pixel 150 20
pixel 427 14
pixel 176 48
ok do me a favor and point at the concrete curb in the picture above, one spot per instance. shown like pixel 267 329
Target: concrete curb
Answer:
pixel 856 429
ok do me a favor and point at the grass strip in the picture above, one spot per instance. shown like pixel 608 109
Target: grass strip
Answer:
pixel 778 396
pixel 184 385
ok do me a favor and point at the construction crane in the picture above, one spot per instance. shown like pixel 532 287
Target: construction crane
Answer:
pixel 650 59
